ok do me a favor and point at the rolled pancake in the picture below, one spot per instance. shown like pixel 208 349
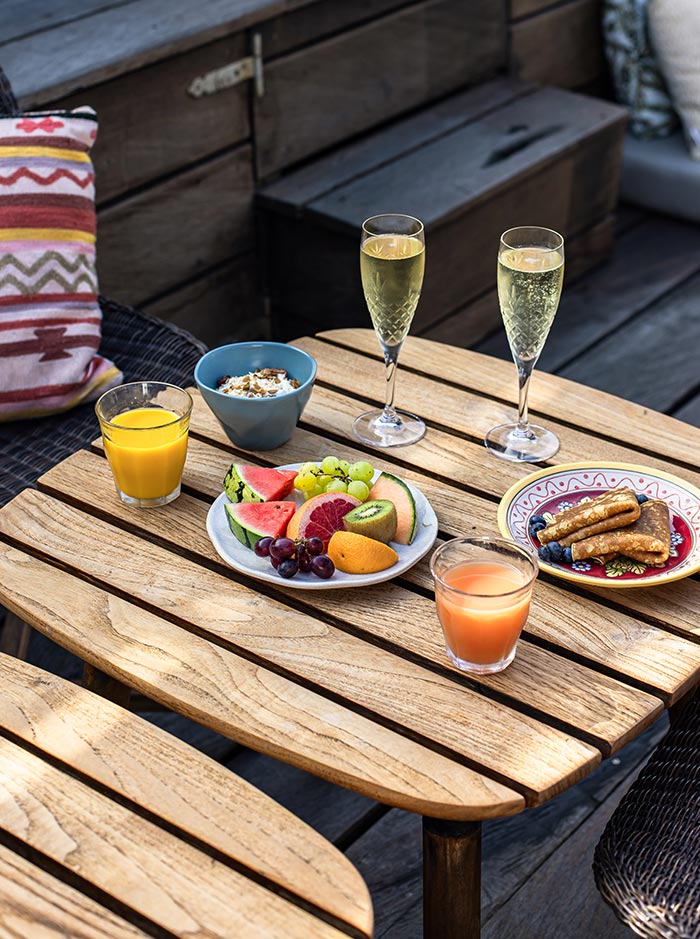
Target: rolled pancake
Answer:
pixel 611 510
pixel 620 520
pixel 648 540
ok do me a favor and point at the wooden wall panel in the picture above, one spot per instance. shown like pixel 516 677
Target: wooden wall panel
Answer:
pixel 156 240
pixel 222 306
pixel 326 93
pixel 308 24
pixel 520 8
pixel 150 125
pixel 560 46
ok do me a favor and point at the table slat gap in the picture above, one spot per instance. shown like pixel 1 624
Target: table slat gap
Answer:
pixel 137 673
pixel 346 702
pixel 33 894
pixel 608 746
pixel 560 394
pixel 103 842
pixel 182 834
pixel 112 907
pixel 646 708
pixel 381 710
pixel 671 606
pixel 668 686
pixel 332 413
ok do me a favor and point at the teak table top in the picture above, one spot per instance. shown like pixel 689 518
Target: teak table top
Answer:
pixel 116 827
pixel 354 685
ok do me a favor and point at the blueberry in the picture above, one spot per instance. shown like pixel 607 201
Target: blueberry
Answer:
pixel 534 527
pixel 555 551
pixel 566 556
pixel 538 519
pixel 641 498
pixel 543 553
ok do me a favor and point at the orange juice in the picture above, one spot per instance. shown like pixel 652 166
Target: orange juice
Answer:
pixel 146 448
pixel 483 614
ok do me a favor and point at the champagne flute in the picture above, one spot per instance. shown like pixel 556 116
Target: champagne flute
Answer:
pixel 392 263
pixel 530 276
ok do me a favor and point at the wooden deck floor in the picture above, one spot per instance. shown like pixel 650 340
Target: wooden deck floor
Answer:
pixel 631 327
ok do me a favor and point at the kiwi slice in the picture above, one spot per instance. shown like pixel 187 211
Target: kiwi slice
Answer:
pixel 376 519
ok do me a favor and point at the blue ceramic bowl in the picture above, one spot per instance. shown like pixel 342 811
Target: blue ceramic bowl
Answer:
pixel 256 423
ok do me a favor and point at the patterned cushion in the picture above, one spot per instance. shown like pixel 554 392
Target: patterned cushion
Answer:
pixel 635 74
pixel 674 26
pixel 49 315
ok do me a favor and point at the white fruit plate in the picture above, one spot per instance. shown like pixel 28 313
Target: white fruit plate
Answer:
pixel 246 561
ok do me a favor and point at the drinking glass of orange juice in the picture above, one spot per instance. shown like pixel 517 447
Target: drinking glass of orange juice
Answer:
pixel 144 428
pixel 482 592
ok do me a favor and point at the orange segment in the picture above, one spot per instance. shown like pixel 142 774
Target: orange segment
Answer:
pixel 358 554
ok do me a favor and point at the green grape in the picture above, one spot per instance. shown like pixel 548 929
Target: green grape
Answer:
pixel 358 489
pixel 361 470
pixel 313 492
pixel 309 468
pixel 305 482
pixel 337 485
pixel 344 466
pixel 322 481
pixel 330 465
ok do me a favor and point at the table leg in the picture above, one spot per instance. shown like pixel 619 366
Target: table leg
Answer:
pixel 106 686
pixel 451 879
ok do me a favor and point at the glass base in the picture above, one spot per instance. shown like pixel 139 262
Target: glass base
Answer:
pixel 508 443
pixel 149 503
pixel 372 428
pixel 479 669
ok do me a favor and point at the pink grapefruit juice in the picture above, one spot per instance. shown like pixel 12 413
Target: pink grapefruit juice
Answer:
pixel 146 449
pixel 482 607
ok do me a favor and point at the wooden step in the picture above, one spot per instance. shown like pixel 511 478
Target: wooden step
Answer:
pixel 501 154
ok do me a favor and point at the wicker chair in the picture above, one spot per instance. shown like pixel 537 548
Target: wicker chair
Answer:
pixel 647 862
pixel 144 347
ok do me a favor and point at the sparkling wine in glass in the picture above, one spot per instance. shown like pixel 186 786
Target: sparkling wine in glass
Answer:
pixel 530 277
pixel 392 264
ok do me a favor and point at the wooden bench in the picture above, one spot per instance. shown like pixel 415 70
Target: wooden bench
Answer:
pixel 503 153
pixel 110 827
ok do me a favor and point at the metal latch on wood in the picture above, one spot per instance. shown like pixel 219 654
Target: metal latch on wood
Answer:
pixel 232 74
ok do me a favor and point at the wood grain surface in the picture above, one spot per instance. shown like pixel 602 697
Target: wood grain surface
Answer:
pixel 177 784
pixel 144 866
pixel 168 617
pixel 37 904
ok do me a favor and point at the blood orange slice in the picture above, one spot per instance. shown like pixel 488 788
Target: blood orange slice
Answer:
pixel 321 516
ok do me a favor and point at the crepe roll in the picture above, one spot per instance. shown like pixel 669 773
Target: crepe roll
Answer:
pixel 648 540
pixel 611 510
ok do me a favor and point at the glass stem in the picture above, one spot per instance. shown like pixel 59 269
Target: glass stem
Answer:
pixel 391 357
pixel 525 369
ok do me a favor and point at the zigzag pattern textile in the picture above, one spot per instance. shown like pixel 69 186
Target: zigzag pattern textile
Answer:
pixel 50 320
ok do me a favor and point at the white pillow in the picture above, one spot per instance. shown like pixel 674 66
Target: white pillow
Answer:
pixel 674 29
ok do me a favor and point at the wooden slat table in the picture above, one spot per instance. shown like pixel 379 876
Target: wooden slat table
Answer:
pixel 354 685
pixel 111 828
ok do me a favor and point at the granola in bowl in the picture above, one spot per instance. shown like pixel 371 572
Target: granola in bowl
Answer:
pixel 262 383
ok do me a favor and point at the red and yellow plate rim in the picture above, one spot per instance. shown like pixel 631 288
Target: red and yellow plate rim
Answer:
pixel 691 565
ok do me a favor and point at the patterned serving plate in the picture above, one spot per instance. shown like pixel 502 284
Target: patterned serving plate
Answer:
pixel 556 488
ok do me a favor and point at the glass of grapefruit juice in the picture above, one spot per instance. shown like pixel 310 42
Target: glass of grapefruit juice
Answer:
pixel 483 588
pixel 144 428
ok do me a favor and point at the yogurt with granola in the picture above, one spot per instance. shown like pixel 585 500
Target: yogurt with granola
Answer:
pixel 262 383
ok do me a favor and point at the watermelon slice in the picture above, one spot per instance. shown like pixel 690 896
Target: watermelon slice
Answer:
pixel 251 521
pixel 257 483
pixel 396 491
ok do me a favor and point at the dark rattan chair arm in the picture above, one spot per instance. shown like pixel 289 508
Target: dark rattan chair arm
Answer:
pixel 647 862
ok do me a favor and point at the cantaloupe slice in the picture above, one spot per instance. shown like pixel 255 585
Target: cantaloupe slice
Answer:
pixel 396 491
